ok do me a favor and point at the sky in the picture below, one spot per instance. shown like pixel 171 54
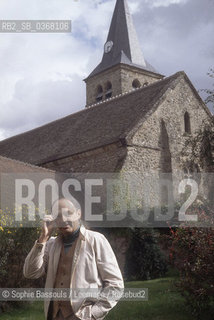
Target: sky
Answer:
pixel 41 74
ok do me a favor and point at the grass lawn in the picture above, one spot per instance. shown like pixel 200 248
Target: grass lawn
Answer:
pixel 27 311
pixel 164 303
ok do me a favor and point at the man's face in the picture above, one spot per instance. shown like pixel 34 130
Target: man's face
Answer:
pixel 68 216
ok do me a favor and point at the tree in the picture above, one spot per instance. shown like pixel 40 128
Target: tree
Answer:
pixel 144 259
pixel 210 92
pixel 191 252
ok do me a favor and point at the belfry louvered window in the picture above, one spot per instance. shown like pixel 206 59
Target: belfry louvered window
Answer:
pixel 99 96
pixel 136 84
pixel 108 93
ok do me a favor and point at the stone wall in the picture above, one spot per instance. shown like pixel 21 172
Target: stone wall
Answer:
pixel 121 78
pixel 105 159
pixel 129 74
pixel 156 146
pixel 112 75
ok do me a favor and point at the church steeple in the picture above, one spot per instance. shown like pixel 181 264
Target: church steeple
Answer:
pixel 122 50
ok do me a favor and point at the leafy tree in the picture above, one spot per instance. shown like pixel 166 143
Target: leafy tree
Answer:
pixel 210 92
pixel 144 259
pixel 191 252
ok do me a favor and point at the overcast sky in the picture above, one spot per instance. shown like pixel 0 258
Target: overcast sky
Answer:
pixel 41 74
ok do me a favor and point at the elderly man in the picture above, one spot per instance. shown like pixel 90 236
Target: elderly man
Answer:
pixel 76 258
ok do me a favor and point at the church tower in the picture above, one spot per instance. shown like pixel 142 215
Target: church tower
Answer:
pixel 123 66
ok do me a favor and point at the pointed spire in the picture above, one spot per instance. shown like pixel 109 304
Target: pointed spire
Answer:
pixel 122 45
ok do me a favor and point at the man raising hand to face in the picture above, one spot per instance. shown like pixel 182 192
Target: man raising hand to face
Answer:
pixel 77 258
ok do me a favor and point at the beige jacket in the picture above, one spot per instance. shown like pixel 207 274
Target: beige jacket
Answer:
pixel 94 266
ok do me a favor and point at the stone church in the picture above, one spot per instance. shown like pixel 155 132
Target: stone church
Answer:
pixel 130 109
pixel 135 119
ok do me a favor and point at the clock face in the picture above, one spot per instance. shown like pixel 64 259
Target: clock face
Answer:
pixel 108 46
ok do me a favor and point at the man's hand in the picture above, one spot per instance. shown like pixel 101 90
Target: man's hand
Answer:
pixel 47 228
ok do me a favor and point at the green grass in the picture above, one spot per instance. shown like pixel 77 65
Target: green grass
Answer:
pixel 26 311
pixel 164 303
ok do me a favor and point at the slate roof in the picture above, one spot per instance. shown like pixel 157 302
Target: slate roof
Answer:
pixel 126 47
pixel 93 127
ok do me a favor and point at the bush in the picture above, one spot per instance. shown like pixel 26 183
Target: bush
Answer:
pixel 15 244
pixel 192 253
pixel 144 260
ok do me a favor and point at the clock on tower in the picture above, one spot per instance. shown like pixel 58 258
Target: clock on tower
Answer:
pixel 108 46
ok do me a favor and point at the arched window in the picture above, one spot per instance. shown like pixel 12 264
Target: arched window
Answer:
pixel 99 95
pixel 136 84
pixel 187 126
pixel 164 195
pixel 108 87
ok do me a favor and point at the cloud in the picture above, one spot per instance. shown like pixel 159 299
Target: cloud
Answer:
pixel 163 3
pixel 33 103
pixel 178 37
pixel 42 74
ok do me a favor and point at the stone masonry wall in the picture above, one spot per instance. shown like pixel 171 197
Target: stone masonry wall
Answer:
pixel 147 150
pixel 121 78
pixel 105 159
pixel 112 75
pixel 129 74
